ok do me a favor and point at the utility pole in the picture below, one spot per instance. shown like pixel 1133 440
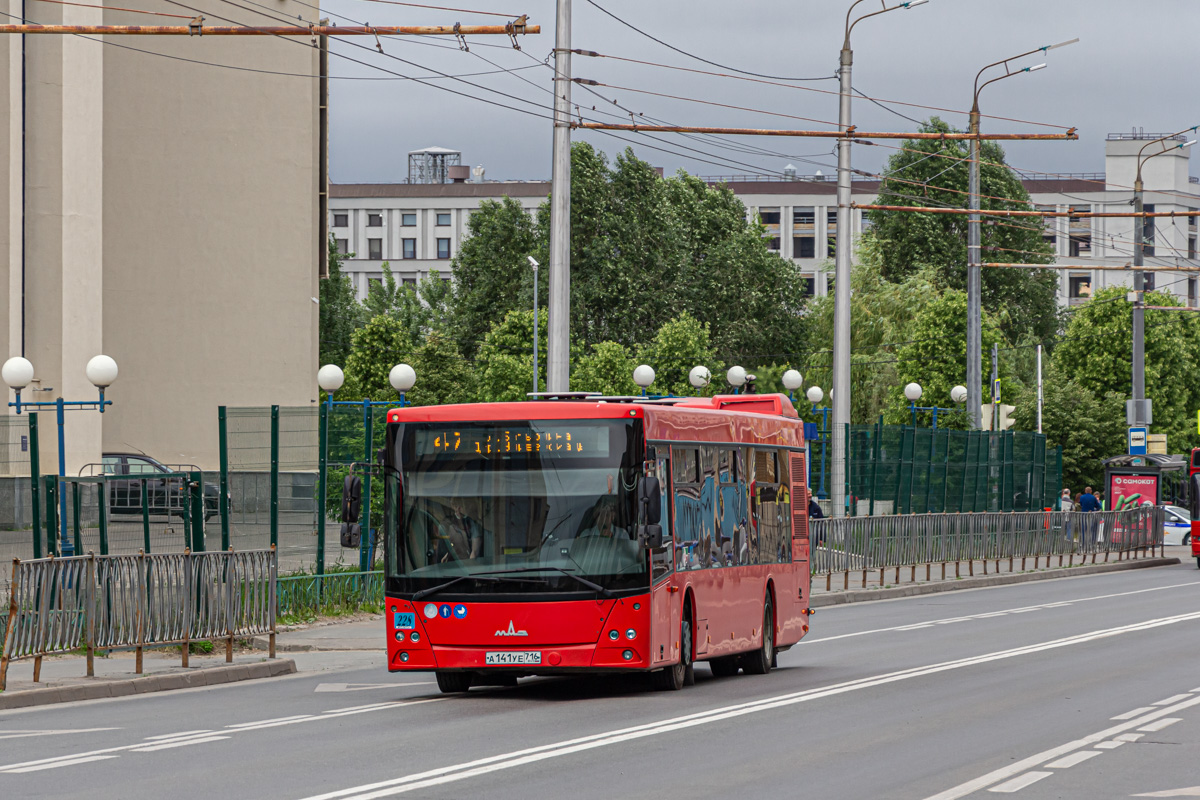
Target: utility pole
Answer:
pixel 974 244
pixel 1040 396
pixel 995 386
pixel 558 344
pixel 1139 412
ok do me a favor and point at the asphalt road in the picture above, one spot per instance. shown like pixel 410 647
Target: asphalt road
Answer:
pixel 1076 688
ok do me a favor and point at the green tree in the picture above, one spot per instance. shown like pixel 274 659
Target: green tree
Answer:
pixel 340 313
pixel 505 360
pixel 443 375
pixel 1097 348
pixel 679 345
pixel 490 269
pixel 933 172
pixel 607 368
pixel 1089 428
pixel 376 347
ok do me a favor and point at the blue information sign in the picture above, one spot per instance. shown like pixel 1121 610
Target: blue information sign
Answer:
pixel 1137 441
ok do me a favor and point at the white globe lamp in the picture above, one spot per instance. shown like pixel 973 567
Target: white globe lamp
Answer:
pixel 101 371
pixel 330 378
pixel 17 372
pixel 736 377
pixel 913 392
pixel 699 377
pixel 814 394
pixel 792 380
pixel 402 378
pixel 959 394
pixel 643 375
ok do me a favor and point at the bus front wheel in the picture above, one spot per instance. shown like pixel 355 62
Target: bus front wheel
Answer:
pixel 677 676
pixel 453 682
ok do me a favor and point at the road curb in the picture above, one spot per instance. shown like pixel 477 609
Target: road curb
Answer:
pixel 827 599
pixel 96 690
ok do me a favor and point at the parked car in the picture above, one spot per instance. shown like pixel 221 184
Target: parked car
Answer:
pixel 1177 528
pixel 164 488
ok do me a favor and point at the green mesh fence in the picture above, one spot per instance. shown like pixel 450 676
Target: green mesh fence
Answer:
pixel 16 504
pixel 897 469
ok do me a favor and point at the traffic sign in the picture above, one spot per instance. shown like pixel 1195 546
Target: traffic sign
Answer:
pixel 1137 441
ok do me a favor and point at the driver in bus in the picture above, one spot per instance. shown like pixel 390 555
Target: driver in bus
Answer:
pixel 603 517
pixel 464 536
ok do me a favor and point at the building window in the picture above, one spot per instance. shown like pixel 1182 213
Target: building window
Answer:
pixel 1148 281
pixel 1079 289
pixel 831 231
pixel 770 218
pixel 408 220
pixel 1192 221
pixel 443 248
pixel 810 286
pixel 1080 232
pixel 773 244
pixel 804 247
pixel 373 284
pixel 410 248
pixel 443 219
pixel 1050 234
pixel 413 282
pixel 341 220
pixel 1191 292
pixel 1192 247
pixel 375 249
pixel 374 220
pixel 1148 231
pixel 343 246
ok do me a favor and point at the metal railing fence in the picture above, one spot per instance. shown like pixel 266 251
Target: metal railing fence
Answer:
pixel 92 602
pixel 303 596
pixel 853 544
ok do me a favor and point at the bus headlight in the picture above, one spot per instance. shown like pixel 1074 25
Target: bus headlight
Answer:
pixel 627 655
pixel 415 637
pixel 399 636
pixel 404 657
pixel 614 635
pixel 631 634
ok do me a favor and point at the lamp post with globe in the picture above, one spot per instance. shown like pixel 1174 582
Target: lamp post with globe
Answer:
pixel 18 372
pixel 330 378
pixel 913 392
pixel 815 395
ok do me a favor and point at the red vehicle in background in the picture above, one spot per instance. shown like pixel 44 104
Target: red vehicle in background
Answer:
pixel 1194 501
pixel 595 535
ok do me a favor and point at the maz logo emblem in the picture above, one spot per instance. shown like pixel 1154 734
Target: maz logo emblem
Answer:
pixel 512 631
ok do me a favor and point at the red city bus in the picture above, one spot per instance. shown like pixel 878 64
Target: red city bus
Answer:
pixel 599 535
pixel 1194 501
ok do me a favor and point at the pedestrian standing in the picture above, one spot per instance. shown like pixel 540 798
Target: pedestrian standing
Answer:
pixel 1089 503
pixel 1064 502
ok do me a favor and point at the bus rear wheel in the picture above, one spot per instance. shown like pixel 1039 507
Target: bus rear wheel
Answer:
pixel 453 682
pixel 759 662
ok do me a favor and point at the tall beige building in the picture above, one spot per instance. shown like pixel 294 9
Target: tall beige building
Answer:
pixel 164 212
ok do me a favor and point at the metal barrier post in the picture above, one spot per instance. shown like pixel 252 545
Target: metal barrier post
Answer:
pixel 35 478
pixel 89 612
pixel 272 596
pixel 188 616
pixel 50 484
pixel 223 501
pixel 145 518
pixel 195 497
pixel 274 476
pixel 102 507
pixel 322 482
pixel 75 510
pixel 364 541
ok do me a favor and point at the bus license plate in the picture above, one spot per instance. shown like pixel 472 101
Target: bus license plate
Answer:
pixel 513 657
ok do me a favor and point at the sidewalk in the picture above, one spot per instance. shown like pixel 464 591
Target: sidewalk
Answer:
pixel 64 678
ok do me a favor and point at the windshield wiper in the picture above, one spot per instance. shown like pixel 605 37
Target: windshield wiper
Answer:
pixel 488 577
pixel 590 584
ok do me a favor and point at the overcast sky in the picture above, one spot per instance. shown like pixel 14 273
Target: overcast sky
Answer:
pixel 1136 65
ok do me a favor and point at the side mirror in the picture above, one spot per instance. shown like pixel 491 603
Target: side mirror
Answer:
pixel 351 534
pixel 351 498
pixel 654 536
pixel 650 500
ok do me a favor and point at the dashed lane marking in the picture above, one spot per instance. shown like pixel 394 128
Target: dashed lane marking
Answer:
pixel 1017 784
pixel 57 764
pixel 13 734
pixel 180 743
pixel 1066 762
pixel 1137 712
pixel 1160 724
pixel 1171 700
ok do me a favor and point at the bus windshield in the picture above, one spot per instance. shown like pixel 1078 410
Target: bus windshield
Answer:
pixel 529 507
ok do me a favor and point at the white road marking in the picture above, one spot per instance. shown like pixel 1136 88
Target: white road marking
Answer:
pixel 984 781
pixel 181 743
pixel 363 687
pixel 57 764
pixel 1171 700
pixel 12 734
pixel 175 739
pixel 1017 784
pixel 176 735
pixel 1074 758
pixel 810 640
pixel 483 766
pixel 1193 791
pixel 1160 724
pixel 268 721
pixel 1113 745
pixel 1137 712
pixel 1129 737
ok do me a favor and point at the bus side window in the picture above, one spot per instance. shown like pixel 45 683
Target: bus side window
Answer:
pixel 730 535
pixel 709 546
pixel 784 506
pixel 766 506
pixel 662 559
pixel 689 514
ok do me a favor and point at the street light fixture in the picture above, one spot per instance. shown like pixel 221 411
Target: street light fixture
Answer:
pixel 815 395
pixel 101 371
pixel 643 376
pixel 841 299
pixel 1139 411
pixel 736 377
pixel 974 245
pixel 792 380
pixel 699 377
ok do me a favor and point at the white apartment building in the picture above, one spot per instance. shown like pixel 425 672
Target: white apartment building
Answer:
pixel 418 227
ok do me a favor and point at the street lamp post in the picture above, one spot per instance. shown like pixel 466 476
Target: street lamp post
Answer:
pixel 533 263
pixel 974 258
pixel 913 392
pixel 815 395
pixel 101 370
pixel 1140 412
pixel 841 300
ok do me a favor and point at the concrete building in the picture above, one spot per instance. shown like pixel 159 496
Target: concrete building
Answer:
pixel 418 227
pixel 164 212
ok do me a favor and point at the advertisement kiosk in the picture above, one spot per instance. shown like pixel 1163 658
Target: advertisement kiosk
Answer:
pixel 1136 480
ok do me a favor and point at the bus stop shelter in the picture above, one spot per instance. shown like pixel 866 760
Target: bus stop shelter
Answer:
pixel 1137 480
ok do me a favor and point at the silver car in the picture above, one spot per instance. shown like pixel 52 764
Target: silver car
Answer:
pixel 1177 527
